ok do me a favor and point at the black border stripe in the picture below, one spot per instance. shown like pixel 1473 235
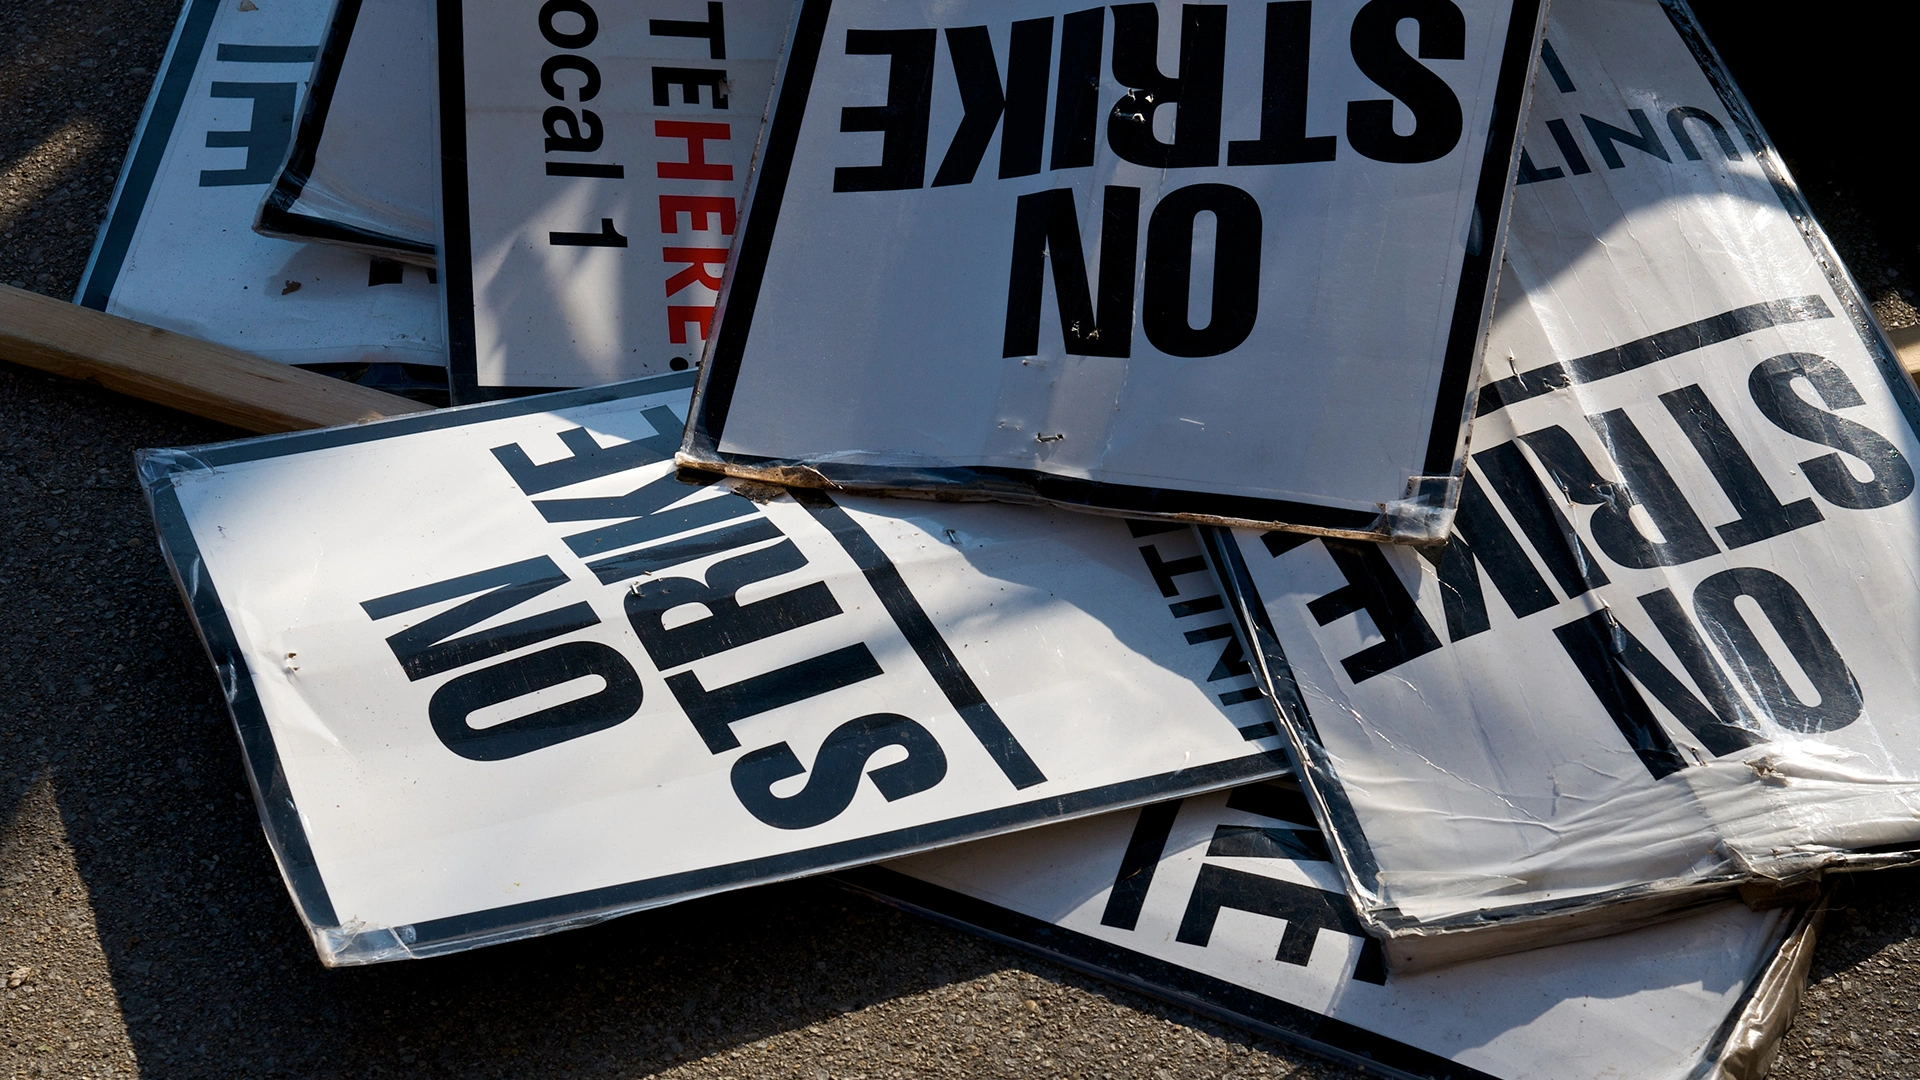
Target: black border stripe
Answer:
pixel 277 215
pixel 713 396
pixel 267 54
pixel 1282 1020
pixel 456 235
pixel 1333 810
pixel 933 650
pixel 1651 349
pixel 285 224
pixel 1473 308
pixel 313 115
pixel 143 164
pixel 279 817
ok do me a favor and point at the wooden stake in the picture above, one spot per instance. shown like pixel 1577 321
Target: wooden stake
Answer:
pixel 1906 342
pixel 180 372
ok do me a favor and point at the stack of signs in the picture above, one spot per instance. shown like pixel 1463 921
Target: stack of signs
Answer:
pixel 1270 231
pixel 576 141
pixel 177 249
pixel 512 627
pixel 364 181
pixel 1669 645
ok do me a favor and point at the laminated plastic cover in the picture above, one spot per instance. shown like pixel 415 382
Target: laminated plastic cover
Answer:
pixel 359 171
pixel 592 158
pixel 497 672
pixel 1669 647
pixel 177 249
pixel 1226 903
pixel 1264 304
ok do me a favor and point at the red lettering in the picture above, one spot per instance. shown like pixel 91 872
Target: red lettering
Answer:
pixel 696 135
pixel 700 209
pixel 679 317
pixel 697 260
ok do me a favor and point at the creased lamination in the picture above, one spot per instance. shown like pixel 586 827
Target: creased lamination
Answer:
pixel 1226 263
pixel 1669 644
pixel 499 672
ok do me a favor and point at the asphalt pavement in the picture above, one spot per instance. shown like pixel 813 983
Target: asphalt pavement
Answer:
pixel 144 929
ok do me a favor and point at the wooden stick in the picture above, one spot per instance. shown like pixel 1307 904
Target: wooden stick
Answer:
pixel 178 371
pixel 1906 342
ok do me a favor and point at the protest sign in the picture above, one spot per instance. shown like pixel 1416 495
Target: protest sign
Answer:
pixel 587 687
pixel 1668 647
pixel 1268 233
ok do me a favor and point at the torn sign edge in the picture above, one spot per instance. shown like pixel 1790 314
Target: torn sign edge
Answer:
pixel 1423 516
pixel 1750 1042
pixel 1413 945
pixel 349 945
pixel 280 215
pixel 1743 1047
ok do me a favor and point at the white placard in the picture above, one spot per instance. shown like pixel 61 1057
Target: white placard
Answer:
pixel 1671 644
pixel 499 672
pixel 592 160
pixel 360 171
pixel 1221 262
pixel 177 249
pixel 1226 903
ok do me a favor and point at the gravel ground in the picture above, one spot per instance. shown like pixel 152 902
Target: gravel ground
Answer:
pixel 144 929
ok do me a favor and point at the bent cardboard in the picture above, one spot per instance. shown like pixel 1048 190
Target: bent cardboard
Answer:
pixel 588 688
pixel 1668 648
pixel 1224 263
pixel 359 173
